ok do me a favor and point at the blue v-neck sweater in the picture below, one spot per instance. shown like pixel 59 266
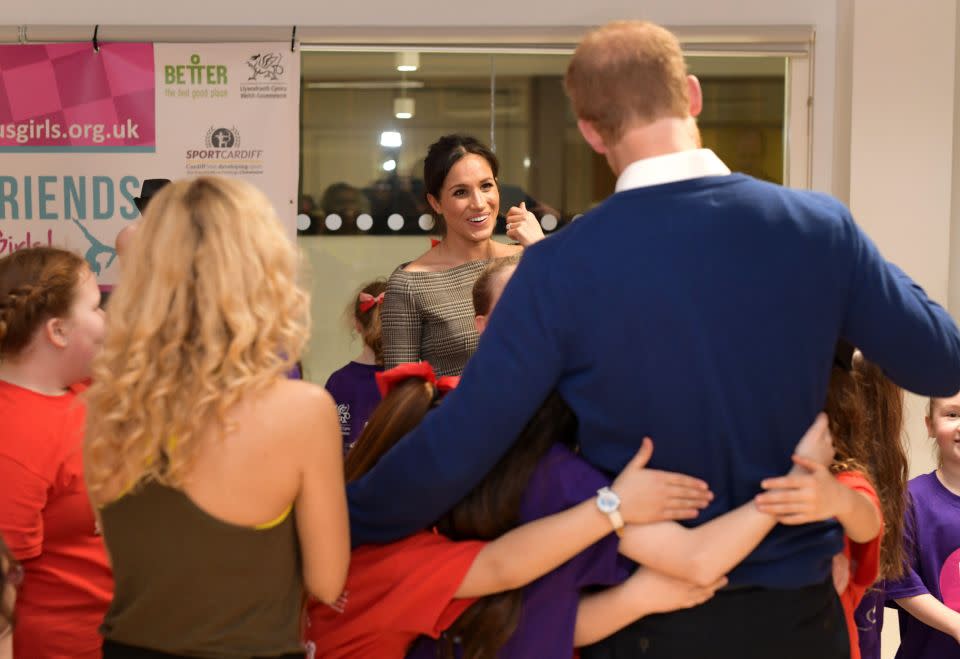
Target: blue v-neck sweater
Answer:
pixel 702 313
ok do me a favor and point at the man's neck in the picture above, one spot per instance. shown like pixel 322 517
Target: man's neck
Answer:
pixel 657 138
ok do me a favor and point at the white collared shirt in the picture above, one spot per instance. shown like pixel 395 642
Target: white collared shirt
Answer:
pixel 679 166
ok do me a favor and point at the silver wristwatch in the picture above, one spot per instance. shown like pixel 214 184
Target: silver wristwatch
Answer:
pixel 609 504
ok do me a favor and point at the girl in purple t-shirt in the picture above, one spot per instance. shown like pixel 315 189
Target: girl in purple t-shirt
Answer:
pixel 353 387
pixel 929 595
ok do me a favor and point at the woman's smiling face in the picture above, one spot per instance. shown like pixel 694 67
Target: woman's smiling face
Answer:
pixel 469 200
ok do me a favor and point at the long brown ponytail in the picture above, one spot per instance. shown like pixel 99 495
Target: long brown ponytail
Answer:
pixel 866 421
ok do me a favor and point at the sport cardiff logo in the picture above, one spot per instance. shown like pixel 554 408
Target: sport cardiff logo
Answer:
pixel 222 138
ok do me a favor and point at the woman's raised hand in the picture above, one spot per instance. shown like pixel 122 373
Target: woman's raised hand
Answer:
pixel 522 225
pixel 651 495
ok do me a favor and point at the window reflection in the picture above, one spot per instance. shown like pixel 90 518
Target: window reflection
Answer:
pixel 365 201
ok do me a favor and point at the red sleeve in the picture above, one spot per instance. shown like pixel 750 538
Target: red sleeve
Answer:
pixel 864 557
pixel 21 508
pixel 438 567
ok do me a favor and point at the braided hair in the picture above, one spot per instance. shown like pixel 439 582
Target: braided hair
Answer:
pixel 36 284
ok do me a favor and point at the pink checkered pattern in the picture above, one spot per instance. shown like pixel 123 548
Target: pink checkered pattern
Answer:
pixel 72 84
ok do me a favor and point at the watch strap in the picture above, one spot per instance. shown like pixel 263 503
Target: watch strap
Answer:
pixel 617 520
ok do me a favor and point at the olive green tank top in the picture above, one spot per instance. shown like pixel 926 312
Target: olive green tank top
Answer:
pixel 190 584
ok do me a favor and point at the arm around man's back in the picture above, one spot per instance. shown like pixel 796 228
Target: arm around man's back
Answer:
pixel 517 364
pixel 893 322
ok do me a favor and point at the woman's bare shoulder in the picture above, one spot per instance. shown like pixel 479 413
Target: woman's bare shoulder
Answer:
pixel 429 261
pixel 502 249
pixel 297 401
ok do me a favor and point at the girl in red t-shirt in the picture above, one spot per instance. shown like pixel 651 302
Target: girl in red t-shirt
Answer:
pixel 51 325
pixel 864 488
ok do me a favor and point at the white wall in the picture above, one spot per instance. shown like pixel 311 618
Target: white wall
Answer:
pixel 885 94
pixel 903 180
pixel 902 144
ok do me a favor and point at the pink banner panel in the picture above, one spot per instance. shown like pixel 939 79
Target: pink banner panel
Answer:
pixel 69 98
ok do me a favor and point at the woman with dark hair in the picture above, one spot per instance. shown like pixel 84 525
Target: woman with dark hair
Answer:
pixel 427 314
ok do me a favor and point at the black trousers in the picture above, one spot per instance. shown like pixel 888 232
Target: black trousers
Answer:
pixel 114 650
pixel 739 623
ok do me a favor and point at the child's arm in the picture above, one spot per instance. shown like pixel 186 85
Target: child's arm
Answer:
pixel 530 551
pixel 699 555
pixel 705 553
pixel 644 593
pixel 817 496
pixel 932 612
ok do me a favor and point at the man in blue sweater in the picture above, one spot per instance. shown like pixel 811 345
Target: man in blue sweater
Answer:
pixel 694 306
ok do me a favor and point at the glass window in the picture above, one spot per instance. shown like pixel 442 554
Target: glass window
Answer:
pixel 366 126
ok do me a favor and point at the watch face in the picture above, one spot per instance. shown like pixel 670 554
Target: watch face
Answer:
pixel 608 502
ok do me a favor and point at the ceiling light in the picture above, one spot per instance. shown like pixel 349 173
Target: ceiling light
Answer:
pixel 407 60
pixel 403 107
pixel 391 139
pixel 389 165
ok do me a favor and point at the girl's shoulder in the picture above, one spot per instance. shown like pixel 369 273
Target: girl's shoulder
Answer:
pixel 420 549
pixel 928 493
pixel 503 250
pixel 856 480
pixel 561 479
pixel 292 405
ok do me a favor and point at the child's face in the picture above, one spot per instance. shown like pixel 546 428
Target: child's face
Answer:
pixel 943 424
pixel 496 289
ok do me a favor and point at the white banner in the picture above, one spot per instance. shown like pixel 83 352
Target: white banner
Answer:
pixel 81 130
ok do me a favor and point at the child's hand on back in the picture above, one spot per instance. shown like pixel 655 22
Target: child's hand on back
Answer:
pixel 800 498
pixel 816 444
pixel 668 593
pixel 651 495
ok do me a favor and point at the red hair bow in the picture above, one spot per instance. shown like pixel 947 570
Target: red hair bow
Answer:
pixel 388 380
pixel 368 302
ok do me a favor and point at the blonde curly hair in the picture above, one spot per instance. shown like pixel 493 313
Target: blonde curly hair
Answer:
pixel 208 310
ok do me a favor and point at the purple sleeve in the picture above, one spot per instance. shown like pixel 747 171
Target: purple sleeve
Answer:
pixel 563 480
pixel 910 584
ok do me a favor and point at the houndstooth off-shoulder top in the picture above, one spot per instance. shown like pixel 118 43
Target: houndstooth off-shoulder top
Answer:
pixel 428 316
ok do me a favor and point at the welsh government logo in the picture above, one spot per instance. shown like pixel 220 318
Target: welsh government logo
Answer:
pixel 265 66
pixel 222 138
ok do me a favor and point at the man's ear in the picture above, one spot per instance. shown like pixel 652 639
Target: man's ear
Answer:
pixel 480 322
pixel 56 332
pixel 696 96
pixel 591 136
